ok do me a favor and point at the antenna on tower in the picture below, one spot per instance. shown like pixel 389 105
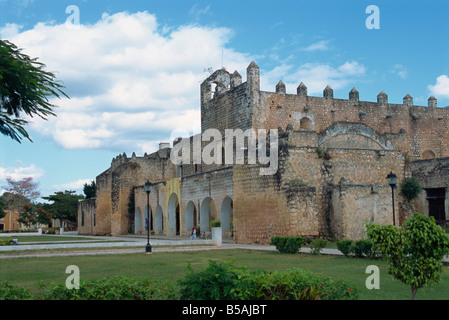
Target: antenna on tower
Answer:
pixel 222 54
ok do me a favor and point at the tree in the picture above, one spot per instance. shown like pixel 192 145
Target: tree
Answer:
pixel 24 90
pixel 19 192
pixel 12 201
pixel 2 208
pixel 64 206
pixel 414 251
pixel 90 190
pixel 34 214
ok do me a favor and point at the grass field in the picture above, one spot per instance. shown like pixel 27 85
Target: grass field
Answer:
pixel 171 266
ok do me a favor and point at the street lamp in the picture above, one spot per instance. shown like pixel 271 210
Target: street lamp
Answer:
pixel 147 188
pixel 392 182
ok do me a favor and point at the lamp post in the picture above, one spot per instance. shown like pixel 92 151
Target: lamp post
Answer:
pixel 392 182
pixel 147 188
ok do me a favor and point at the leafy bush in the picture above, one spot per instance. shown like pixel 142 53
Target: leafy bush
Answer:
pixel 9 291
pixel 216 282
pixel 115 288
pixel 318 245
pixel 410 188
pixel 414 251
pixel 363 248
pixel 345 247
pixel 288 244
pixel 5 242
pixel 224 281
pixel 215 224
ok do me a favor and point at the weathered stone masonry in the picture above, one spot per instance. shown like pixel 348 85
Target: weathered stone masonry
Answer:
pixel 334 156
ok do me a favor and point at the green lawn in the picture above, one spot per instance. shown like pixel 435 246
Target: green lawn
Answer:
pixel 171 266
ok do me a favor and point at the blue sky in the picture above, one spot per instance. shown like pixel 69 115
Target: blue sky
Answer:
pixel 132 68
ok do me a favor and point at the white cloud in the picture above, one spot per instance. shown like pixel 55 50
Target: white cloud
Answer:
pixel 441 87
pixel 129 80
pixel 196 11
pixel 77 185
pixel 315 76
pixel 10 30
pixel 318 46
pixel 400 70
pixel 20 172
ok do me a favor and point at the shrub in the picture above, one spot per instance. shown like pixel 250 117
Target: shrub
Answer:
pixel 363 248
pixel 318 245
pixel 218 281
pixel 5 242
pixel 114 288
pixel 215 223
pixel 224 281
pixel 366 248
pixel 9 291
pixel 288 244
pixel 300 284
pixel 410 188
pixel 414 251
pixel 345 247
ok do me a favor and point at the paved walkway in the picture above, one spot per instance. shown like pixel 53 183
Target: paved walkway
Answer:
pixel 126 244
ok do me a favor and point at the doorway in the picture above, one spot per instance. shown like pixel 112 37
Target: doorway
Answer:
pixel 436 198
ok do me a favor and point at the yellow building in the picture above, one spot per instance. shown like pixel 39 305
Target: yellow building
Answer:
pixel 9 222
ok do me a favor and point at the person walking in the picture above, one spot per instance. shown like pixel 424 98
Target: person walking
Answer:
pixel 193 234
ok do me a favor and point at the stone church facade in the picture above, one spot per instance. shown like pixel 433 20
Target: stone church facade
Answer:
pixel 332 159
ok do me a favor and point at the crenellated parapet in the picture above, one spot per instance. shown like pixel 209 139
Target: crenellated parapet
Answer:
pixel 227 102
pixel 119 160
pixel 223 81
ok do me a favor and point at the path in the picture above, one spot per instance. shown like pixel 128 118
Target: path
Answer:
pixel 131 244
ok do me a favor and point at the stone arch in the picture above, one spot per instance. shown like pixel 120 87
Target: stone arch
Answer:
pixel 218 82
pixel 226 215
pixel 353 136
pixel 159 220
pixel 428 154
pixel 306 124
pixel 190 217
pixel 207 213
pixel 174 216
pixel 137 221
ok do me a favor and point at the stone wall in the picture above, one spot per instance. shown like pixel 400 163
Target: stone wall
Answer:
pixel 228 106
pixel 207 190
pixel 201 198
pixel 87 223
pixel 353 205
pixel 334 157
pixel 426 128
pixel 260 209
pixel 243 105
pixel 116 185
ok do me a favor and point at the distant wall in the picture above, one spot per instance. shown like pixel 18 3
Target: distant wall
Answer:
pixel 431 174
pixel 87 220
